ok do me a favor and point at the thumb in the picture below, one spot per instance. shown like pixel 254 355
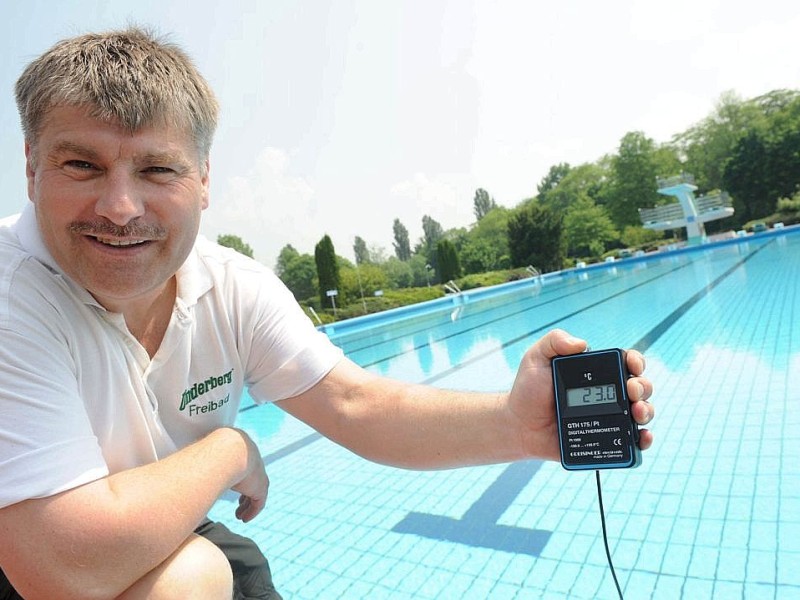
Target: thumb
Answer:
pixel 559 343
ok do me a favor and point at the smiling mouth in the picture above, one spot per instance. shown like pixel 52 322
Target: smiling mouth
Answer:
pixel 108 234
pixel 118 243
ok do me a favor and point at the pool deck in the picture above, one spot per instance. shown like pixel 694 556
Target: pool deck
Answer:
pixel 713 512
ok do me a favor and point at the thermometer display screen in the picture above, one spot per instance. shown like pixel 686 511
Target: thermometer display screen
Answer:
pixel 591 395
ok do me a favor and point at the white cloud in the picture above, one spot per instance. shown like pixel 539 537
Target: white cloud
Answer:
pixel 675 21
pixel 268 208
pixel 447 198
pixel 758 58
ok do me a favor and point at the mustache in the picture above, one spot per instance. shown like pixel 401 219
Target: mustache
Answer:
pixel 132 230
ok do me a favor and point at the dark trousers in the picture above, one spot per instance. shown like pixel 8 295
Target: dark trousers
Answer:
pixel 252 579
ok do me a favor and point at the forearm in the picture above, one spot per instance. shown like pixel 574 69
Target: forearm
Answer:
pixel 426 428
pixel 106 535
pixel 410 426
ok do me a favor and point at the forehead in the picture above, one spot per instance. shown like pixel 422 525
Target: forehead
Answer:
pixel 70 127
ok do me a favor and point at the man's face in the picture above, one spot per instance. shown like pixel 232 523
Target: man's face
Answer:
pixel 118 211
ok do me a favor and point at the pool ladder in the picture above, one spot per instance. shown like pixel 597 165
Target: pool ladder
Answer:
pixel 451 287
pixel 316 316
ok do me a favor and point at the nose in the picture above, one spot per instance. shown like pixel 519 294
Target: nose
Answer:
pixel 119 200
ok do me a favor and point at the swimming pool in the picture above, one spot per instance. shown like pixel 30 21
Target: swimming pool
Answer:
pixel 713 512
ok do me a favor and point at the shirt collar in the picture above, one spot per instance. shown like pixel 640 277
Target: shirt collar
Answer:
pixel 193 277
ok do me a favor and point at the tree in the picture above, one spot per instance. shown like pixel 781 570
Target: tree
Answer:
pixel 709 145
pixel 485 246
pixel 398 272
pixel 361 251
pixel 746 178
pixel 634 171
pixel 421 270
pixel 377 254
pixel 402 246
pixel 535 237
pixel 297 274
pixel 432 232
pixel 633 236
pixel 551 180
pixel 590 179
pixel 358 280
pixel 449 266
pixel 587 228
pixel 297 271
pixel 287 254
pixel 235 242
pixel 327 269
pixel 764 165
pixel 482 203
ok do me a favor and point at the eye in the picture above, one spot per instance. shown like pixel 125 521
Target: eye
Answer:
pixel 158 170
pixel 80 169
pixel 80 165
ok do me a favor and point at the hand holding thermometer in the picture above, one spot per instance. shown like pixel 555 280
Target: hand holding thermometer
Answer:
pixel 595 425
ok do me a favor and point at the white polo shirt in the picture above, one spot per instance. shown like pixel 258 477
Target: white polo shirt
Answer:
pixel 80 397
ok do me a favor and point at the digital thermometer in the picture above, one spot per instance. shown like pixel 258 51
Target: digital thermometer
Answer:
pixel 595 427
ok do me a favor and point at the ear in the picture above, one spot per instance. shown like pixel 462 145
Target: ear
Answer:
pixel 30 173
pixel 205 183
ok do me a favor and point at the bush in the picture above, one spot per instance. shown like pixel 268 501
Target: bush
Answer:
pixel 789 206
pixel 390 299
pixel 479 280
pixel 633 236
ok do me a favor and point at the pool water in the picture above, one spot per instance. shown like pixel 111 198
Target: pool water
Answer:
pixel 713 512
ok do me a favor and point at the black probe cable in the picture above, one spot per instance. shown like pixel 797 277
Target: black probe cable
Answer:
pixel 605 535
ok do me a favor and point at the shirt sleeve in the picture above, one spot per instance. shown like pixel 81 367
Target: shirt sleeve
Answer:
pixel 46 440
pixel 288 355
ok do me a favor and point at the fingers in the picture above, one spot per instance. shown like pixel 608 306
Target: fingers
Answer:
pixel 645 439
pixel 636 362
pixel 643 412
pixel 640 389
pixel 559 343
pixel 249 508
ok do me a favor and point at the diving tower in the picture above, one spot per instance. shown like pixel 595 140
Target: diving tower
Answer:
pixel 688 211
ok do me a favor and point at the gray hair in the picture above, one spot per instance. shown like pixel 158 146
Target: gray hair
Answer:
pixel 129 77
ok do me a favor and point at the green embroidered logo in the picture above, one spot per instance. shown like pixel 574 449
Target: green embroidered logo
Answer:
pixel 201 387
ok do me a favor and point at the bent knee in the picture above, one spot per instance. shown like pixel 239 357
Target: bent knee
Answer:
pixel 197 569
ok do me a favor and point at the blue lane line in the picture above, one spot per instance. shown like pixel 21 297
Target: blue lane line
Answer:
pixel 478 527
pixel 521 337
pixel 646 341
pixel 291 448
pixel 478 315
pixel 656 332
pixel 643 344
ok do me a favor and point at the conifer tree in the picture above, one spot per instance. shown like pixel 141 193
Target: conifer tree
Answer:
pixel 327 269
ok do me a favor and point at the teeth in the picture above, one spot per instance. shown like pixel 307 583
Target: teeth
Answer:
pixel 111 242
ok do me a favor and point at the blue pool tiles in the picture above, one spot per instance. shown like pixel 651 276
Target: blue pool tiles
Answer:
pixel 714 512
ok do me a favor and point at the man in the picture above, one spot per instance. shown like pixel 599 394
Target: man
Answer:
pixel 126 341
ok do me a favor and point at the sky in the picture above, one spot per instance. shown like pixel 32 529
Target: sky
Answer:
pixel 339 116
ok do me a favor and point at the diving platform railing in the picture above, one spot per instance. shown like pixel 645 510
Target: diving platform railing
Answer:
pixel 688 212
pixel 668 182
pixel 672 216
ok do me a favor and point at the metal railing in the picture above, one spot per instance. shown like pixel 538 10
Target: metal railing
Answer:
pixel 665 182
pixel 713 202
pixel 451 287
pixel 660 214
